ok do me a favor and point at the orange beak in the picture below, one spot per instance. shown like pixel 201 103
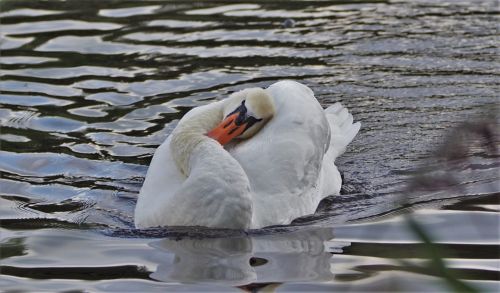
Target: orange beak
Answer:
pixel 227 129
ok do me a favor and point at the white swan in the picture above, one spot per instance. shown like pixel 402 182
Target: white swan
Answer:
pixel 255 159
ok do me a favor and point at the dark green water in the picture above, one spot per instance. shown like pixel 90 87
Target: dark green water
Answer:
pixel 89 89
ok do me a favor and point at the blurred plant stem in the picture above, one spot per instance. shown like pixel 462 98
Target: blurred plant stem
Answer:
pixel 442 173
pixel 436 265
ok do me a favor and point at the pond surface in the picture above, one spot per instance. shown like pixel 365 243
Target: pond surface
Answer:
pixel 90 89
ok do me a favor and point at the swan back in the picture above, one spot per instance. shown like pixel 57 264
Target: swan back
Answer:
pixel 283 160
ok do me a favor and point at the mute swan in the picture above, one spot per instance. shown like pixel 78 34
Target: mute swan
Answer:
pixel 258 158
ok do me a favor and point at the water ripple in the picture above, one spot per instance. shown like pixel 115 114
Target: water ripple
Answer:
pixel 54 26
pixel 126 12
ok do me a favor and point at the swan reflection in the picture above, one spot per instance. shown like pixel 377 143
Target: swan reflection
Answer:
pixel 294 256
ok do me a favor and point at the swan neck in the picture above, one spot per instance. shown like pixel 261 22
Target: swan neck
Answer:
pixel 190 132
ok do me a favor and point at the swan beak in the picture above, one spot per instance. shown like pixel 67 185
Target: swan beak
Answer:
pixel 227 129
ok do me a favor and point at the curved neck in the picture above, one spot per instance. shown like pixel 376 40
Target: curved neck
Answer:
pixel 191 131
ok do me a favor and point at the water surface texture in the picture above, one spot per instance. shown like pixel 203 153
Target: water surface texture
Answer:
pixel 89 89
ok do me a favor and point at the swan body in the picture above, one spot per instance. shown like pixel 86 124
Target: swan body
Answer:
pixel 278 169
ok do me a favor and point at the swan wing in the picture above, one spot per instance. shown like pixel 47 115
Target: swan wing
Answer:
pixel 343 130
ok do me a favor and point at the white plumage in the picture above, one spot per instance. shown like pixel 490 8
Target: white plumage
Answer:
pixel 271 178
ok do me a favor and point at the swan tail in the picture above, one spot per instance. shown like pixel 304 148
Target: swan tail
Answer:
pixel 343 130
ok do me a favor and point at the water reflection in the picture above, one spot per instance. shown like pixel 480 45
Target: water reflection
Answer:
pixel 298 256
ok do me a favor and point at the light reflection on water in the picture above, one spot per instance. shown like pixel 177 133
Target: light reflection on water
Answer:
pixel 89 91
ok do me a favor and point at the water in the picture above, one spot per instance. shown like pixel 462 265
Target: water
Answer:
pixel 90 89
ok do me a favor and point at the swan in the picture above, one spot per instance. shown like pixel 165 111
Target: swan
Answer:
pixel 260 157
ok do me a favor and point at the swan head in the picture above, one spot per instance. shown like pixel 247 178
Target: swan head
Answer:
pixel 245 113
